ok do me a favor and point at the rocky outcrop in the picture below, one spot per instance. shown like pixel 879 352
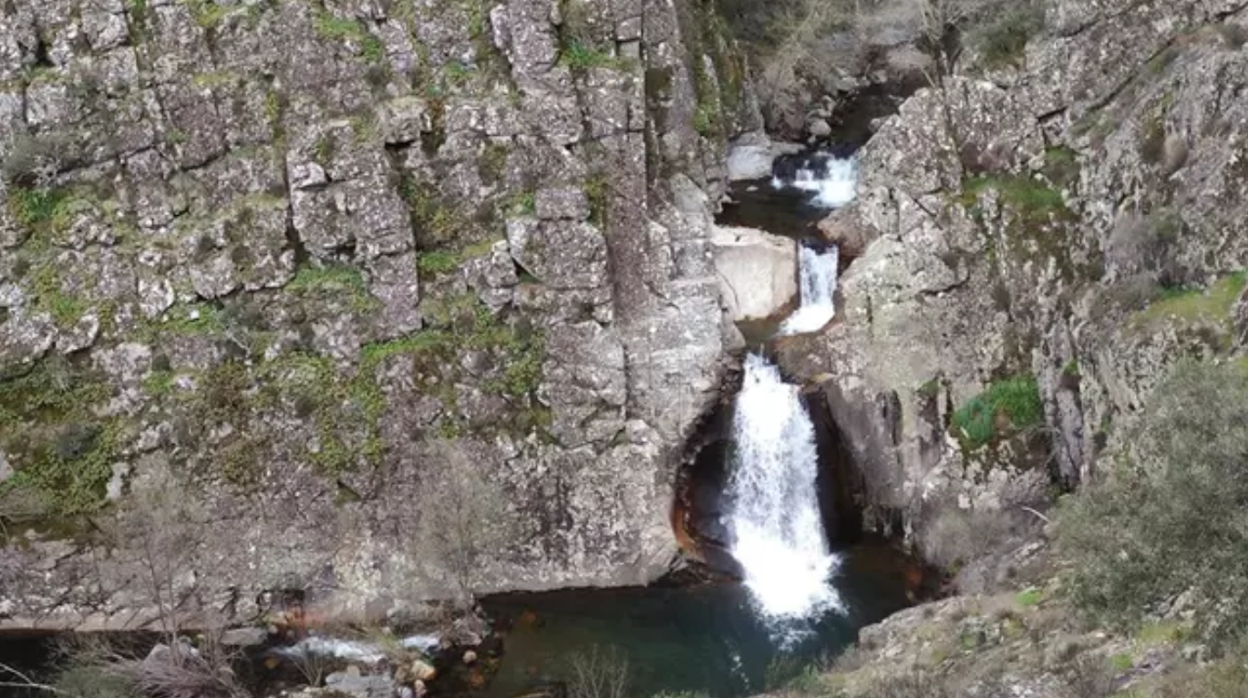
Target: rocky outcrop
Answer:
pixel 757 272
pixel 1072 221
pixel 340 269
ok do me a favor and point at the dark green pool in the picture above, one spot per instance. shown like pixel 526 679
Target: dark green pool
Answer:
pixel 705 639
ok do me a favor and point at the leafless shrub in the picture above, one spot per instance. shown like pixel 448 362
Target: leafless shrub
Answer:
pixel 179 670
pixel 1149 244
pixel 159 528
pixel 11 677
pixel 312 666
pixel 33 160
pixel 957 537
pixel 598 673
pixel 913 684
pixel 1125 295
pixel 1090 676
pixel 468 521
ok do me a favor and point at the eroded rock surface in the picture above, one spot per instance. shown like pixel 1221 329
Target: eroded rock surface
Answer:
pixel 1076 220
pixel 301 259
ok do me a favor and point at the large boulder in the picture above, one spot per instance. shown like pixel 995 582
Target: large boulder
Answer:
pixel 757 272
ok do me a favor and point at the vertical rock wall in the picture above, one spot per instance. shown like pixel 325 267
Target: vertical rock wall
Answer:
pixel 354 275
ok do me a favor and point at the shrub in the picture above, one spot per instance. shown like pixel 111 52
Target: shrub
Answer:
pixel 1223 679
pixel 1146 244
pixel 1002 40
pixel 1009 405
pixel 914 684
pixel 1171 517
pixel 957 537
pixel 598 673
pixel 33 161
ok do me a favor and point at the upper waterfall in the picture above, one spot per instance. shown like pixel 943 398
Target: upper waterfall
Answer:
pixel 775 524
pixel 832 180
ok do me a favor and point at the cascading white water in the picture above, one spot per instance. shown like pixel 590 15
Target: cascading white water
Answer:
pixel 818 276
pixel 833 181
pixel 776 528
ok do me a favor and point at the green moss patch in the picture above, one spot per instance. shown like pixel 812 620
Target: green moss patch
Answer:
pixel 1031 199
pixel 350 31
pixel 59 446
pixel 437 262
pixel 333 280
pixel 1006 407
pixel 1214 304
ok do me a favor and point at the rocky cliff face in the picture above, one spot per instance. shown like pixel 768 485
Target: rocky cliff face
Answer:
pixel 406 297
pixel 1072 221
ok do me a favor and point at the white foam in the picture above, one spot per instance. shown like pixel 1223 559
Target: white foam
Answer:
pixel 776 528
pixel 350 650
pixel 356 650
pixel 424 643
pixel 818 272
pixel 833 187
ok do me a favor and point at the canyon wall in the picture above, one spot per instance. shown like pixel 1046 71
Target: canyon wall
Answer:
pixel 383 301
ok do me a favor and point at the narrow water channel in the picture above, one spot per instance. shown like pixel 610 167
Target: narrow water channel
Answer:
pixel 801 598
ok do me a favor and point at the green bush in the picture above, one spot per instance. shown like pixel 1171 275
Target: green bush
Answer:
pixel 1171 518
pixel 1009 405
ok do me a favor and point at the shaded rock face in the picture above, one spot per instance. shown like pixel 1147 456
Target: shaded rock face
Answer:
pixel 1023 225
pixel 757 272
pixel 303 258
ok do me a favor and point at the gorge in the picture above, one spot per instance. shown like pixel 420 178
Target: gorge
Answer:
pixel 717 333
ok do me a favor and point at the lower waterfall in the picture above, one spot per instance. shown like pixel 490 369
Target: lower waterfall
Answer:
pixel 775 524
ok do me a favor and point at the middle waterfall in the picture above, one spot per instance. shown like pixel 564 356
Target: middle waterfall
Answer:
pixel 817 271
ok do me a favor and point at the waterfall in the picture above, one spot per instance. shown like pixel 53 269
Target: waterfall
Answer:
pixel 818 284
pixel 832 180
pixel 777 532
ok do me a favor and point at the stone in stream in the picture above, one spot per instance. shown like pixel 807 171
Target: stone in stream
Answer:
pixel 423 671
pixel 244 637
pixel 757 272
pixel 356 686
pixel 752 155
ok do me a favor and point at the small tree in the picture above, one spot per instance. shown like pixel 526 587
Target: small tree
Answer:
pixel 466 520
pixel 158 531
pixel 598 673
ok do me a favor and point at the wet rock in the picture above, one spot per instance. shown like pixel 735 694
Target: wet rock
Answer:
pixel 757 272
pixel 354 685
pixel 244 637
pixel 818 128
pixel 423 671
pixel 751 156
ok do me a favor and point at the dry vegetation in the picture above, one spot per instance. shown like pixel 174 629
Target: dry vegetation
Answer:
pixel 799 47
pixel 470 525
